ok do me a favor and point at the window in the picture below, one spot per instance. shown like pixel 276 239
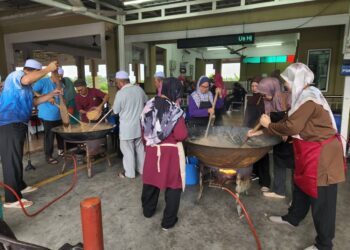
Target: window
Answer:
pixel 230 71
pixel 70 71
pixel 88 76
pixel 142 73
pixel 160 68
pixel 209 70
pixel 318 61
pixel 131 72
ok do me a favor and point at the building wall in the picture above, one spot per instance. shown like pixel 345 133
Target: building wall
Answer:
pixel 249 71
pixel 179 56
pixel 324 38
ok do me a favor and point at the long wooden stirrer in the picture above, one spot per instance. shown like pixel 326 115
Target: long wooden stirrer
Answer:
pixel 212 115
pixel 101 119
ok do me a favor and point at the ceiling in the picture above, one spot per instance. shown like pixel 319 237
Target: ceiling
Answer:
pixel 21 10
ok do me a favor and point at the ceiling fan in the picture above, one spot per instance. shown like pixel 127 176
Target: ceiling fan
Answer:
pixel 236 52
pixel 94 44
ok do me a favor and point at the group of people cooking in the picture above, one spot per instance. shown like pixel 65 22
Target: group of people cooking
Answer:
pixel 302 118
pixel 21 91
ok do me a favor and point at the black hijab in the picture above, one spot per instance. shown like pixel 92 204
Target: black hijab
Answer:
pixel 172 89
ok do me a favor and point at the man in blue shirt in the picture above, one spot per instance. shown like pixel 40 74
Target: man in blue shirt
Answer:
pixel 49 113
pixel 16 104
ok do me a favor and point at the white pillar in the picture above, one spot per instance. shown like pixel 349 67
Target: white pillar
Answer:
pixel 346 106
pixel 121 47
pixel 346 97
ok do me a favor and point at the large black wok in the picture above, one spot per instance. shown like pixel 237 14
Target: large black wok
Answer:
pixel 83 133
pixel 225 148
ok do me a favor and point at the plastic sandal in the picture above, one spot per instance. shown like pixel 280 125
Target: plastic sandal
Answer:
pixel 52 161
pixel 16 204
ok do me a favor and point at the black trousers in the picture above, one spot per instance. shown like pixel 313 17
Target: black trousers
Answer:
pixel 149 200
pixel 12 137
pixel 323 213
pixel 49 137
pixel 261 169
pixel 283 158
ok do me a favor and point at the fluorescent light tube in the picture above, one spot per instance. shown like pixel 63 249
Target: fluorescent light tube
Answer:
pixel 136 2
pixel 259 45
pixel 216 48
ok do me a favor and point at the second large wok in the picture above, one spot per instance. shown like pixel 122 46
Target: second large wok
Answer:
pixel 83 133
pixel 223 148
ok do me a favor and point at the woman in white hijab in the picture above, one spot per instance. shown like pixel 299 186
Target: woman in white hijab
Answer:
pixel 319 160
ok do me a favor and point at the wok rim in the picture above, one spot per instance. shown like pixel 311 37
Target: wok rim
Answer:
pixel 55 130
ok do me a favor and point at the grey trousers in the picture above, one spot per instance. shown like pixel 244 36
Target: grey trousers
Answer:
pixel 133 156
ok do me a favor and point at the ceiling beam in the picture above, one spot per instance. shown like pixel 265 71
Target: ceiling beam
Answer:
pixel 110 6
pixel 77 3
pixel 77 10
pixel 212 11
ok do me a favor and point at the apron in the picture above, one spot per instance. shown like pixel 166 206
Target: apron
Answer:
pixel 182 159
pixel 306 156
pixel 201 121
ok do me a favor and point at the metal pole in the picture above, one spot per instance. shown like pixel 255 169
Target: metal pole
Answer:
pixel 91 219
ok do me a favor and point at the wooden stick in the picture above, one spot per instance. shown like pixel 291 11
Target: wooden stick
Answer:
pixel 80 122
pixel 101 119
pixel 256 128
pixel 212 115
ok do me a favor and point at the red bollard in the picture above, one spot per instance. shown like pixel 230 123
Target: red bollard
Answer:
pixel 91 219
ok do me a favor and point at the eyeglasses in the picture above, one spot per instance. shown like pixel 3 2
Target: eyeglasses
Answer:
pixel 204 87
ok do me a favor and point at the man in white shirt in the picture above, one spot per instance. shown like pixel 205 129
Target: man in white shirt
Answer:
pixel 128 103
pixel 158 81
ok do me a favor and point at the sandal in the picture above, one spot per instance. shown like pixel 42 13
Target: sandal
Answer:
pixel 16 204
pixel 52 161
pixel 121 175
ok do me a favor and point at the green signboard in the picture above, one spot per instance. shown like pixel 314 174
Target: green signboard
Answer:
pixel 210 41
pixel 245 39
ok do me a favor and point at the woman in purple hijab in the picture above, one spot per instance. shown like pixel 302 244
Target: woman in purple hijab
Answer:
pixel 277 103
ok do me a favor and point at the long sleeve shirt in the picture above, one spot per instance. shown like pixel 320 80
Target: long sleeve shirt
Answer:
pixel 312 122
pixel 197 112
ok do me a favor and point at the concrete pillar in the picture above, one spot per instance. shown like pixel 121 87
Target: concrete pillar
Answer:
pixel 93 70
pixel 149 85
pixel 111 58
pixel 80 62
pixel 121 47
pixel 3 68
pixel 344 130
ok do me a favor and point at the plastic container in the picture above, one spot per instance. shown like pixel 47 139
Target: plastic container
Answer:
pixel 192 173
pixel 337 118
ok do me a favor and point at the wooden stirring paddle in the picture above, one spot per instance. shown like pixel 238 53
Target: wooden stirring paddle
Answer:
pixel 255 129
pixel 212 116
pixel 101 119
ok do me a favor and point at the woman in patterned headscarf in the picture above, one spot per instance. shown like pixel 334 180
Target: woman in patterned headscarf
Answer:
pixel 164 129
pixel 201 102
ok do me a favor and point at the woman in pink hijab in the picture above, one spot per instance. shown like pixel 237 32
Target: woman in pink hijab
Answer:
pixel 219 83
pixel 277 103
